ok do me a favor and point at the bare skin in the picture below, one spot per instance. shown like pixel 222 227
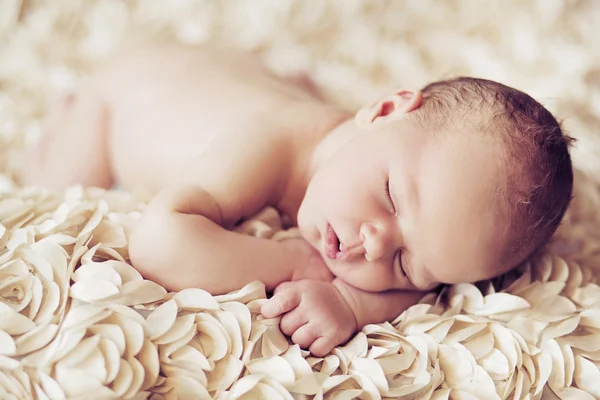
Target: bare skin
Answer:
pixel 211 137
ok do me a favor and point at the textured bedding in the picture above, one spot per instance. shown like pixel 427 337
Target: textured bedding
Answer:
pixel 77 321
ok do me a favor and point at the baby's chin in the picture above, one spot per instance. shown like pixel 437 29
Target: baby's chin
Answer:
pixel 358 281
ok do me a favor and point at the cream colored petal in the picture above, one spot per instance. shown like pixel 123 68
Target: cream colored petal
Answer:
pixel 528 327
pixel 161 319
pixel 422 324
pixel 190 355
pixel 505 343
pixel 226 372
pixel 308 385
pixel 148 358
pixel 7 344
pixel 94 365
pixel 165 350
pixel 253 290
pixel 124 312
pixel 41 265
pixel 586 295
pixel 51 388
pixel 126 272
pixel 557 375
pixel 574 393
pixel 112 332
pixel 138 377
pixel 372 370
pixel 480 345
pixel 500 303
pixel 456 365
pixel 293 356
pixel 56 239
pixel 124 378
pixel 50 304
pixel 188 388
pixel 109 234
pixel 273 342
pixel 112 358
pixel 37 296
pixel 496 365
pixel 587 376
pixel 569 365
pixel 590 319
pixel 214 339
pixel 79 353
pixel 270 389
pixel 14 323
pixel 243 316
pixel 396 363
pixel 585 342
pixel 97 271
pixel 35 339
pixel 276 368
pixel 422 347
pixel 133 333
pixel 77 382
pixel 230 323
pixel 181 327
pixel 94 290
pixel 8 363
pixel 543 363
pixel 194 299
pixel 560 270
pixel 243 386
pixel 462 331
pixel 377 352
pixel 139 292
pixel 561 328
pixel 556 305
pixel 529 368
pixel 66 341
pixel 17 383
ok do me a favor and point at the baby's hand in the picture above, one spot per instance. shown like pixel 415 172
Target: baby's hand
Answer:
pixel 316 315
pixel 310 263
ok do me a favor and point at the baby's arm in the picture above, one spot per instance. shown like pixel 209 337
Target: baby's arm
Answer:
pixel 376 307
pixel 180 243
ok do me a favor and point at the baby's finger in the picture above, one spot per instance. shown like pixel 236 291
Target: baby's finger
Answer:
pixel 321 346
pixel 280 303
pixel 282 286
pixel 291 322
pixel 304 336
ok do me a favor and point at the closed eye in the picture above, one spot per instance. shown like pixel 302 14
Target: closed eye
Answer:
pixel 398 263
pixel 388 197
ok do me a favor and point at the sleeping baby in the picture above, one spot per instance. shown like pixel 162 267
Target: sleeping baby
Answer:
pixel 457 182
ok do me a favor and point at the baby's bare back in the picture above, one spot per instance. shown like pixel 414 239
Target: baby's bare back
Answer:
pixel 198 114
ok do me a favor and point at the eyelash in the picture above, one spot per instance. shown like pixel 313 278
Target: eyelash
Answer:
pixel 398 261
pixel 388 196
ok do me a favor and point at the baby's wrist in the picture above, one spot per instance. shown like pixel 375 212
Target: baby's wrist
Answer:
pixel 346 292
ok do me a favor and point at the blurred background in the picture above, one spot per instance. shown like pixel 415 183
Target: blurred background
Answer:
pixel 353 49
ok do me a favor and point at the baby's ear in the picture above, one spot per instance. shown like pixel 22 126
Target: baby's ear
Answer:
pixel 392 107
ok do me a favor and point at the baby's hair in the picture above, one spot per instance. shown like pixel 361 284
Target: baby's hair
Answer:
pixel 539 185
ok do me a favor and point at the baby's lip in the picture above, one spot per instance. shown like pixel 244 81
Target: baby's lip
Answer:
pixel 336 250
pixel 331 243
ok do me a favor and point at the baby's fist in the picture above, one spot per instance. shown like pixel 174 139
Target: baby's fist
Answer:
pixel 316 316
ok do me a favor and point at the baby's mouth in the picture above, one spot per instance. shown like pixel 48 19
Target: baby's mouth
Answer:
pixel 336 250
pixel 332 243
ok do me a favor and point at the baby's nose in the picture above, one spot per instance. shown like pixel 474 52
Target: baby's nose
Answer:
pixel 376 241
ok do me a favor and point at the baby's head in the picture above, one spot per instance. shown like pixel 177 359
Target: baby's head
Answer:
pixel 479 176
